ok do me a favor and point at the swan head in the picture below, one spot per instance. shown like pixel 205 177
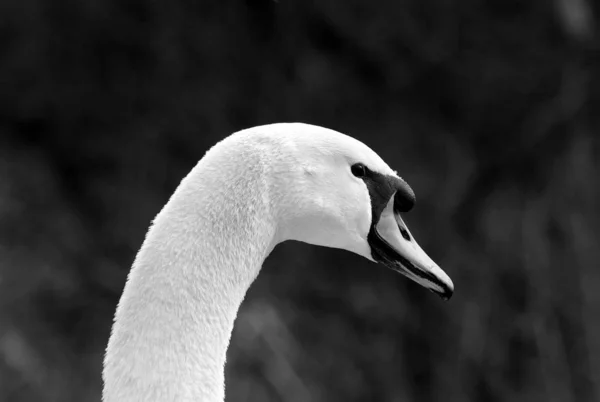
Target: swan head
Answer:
pixel 339 193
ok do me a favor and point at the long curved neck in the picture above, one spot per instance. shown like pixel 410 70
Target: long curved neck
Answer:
pixel 174 321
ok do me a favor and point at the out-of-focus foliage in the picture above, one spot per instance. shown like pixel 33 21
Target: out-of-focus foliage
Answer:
pixel 489 109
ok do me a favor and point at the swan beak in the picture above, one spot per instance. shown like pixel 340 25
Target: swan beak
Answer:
pixel 393 245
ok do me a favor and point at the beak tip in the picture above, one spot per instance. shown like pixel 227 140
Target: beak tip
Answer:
pixel 447 292
pixel 446 296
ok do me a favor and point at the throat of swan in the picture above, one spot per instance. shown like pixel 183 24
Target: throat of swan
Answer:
pixel 174 321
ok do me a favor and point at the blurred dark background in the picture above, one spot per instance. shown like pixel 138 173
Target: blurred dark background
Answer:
pixel 488 108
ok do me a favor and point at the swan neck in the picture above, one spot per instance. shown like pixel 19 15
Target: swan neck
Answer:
pixel 174 321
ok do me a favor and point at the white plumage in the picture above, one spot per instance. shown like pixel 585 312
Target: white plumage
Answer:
pixel 251 191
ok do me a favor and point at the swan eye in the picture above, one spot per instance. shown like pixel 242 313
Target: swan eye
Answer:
pixel 359 170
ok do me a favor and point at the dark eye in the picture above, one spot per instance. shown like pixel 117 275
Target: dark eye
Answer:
pixel 359 170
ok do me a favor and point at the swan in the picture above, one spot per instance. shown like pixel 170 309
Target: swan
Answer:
pixel 254 189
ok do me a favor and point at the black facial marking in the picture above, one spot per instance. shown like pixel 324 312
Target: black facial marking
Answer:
pixel 381 188
pixel 405 234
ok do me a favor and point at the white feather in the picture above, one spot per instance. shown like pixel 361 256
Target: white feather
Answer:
pixel 251 191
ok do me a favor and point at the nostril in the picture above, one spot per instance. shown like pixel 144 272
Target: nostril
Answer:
pixel 405 234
